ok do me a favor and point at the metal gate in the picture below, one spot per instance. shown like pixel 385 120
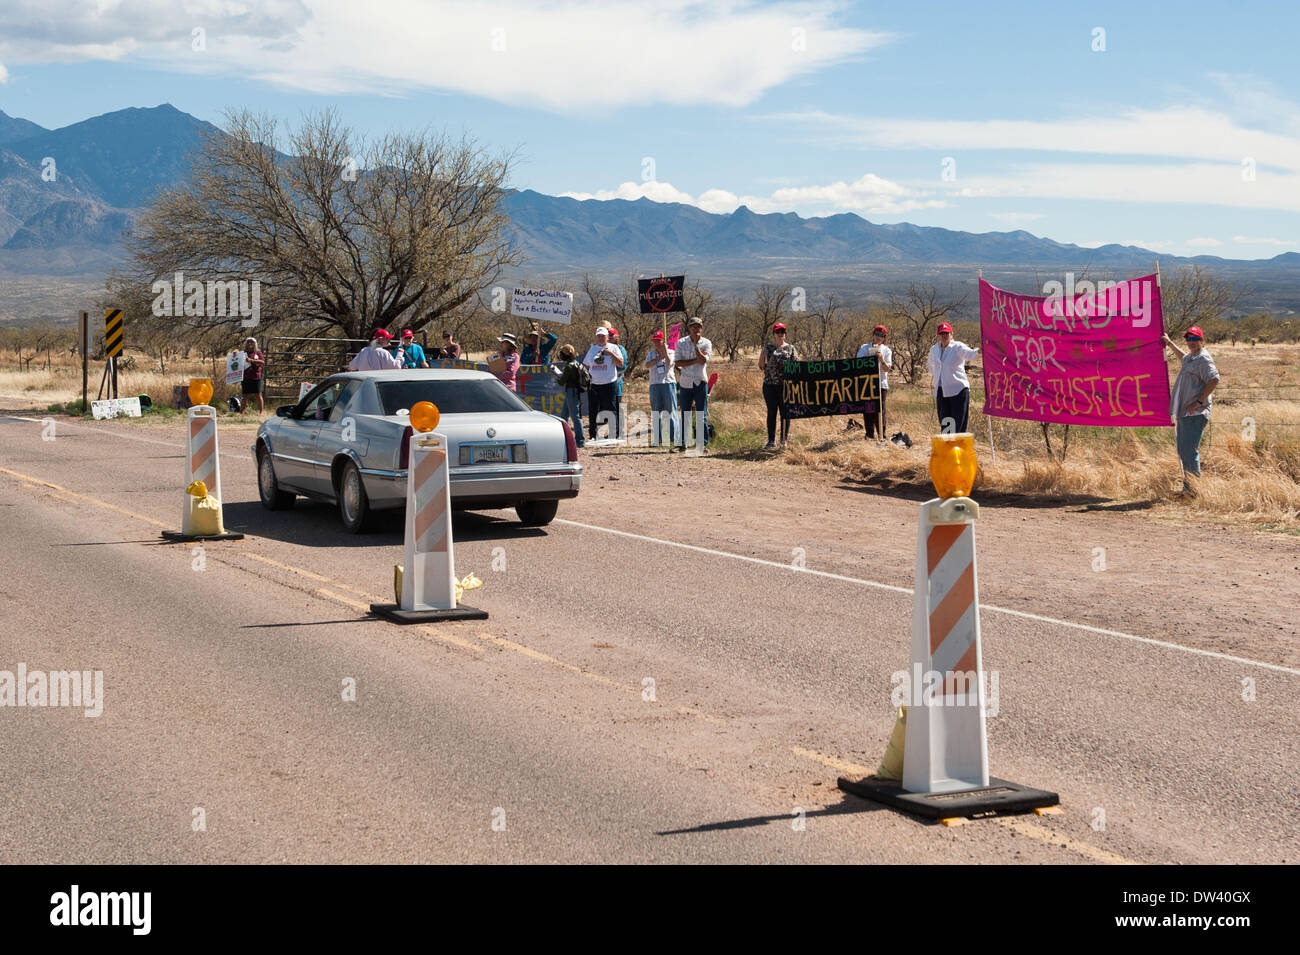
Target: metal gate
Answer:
pixel 291 362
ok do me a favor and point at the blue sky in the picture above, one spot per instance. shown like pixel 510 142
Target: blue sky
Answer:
pixel 1182 135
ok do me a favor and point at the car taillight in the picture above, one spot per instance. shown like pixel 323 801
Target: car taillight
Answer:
pixel 570 443
pixel 406 446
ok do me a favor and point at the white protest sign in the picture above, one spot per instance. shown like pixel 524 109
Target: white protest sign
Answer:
pixel 305 387
pixel 115 407
pixel 235 363
pixel 541 305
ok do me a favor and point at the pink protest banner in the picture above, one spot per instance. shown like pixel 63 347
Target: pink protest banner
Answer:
pixel 1088 354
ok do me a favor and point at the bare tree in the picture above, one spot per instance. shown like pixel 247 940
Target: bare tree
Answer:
pixel 1193 296
pixel 347 235
pixel 916 315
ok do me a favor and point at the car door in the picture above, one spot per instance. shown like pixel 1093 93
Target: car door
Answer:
pixel 337 431
pixel 296 455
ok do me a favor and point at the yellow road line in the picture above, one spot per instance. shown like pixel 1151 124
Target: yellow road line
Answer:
pixel 840 765
pixel 547 658
pixel 81 497
pixel 1053 838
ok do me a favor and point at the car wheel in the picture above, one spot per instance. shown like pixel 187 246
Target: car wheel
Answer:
pixel 273 499
pixel 354 506
pixel 536 513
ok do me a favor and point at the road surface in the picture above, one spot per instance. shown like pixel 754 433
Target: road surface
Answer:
pixel 676 670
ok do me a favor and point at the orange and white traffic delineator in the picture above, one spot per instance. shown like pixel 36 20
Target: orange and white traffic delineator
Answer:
pixel 202 466
pixel 945 771
pixel 428 588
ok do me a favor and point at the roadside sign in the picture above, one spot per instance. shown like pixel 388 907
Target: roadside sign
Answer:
pixel 113 332
pixel 115 408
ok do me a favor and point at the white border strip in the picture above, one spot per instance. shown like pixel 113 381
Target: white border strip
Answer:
pixel 907 590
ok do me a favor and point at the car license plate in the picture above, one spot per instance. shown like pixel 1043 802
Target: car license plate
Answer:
pixel 498 452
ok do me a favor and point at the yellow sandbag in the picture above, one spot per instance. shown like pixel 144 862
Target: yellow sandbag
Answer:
pixel 202 516
pixel 891 766
pixel 469 582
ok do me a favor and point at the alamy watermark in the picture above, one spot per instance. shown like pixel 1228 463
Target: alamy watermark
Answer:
pixel 950 688
pixel 191 298
pixel 83 689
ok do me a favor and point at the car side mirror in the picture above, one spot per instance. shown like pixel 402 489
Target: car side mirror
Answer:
pixel 285 411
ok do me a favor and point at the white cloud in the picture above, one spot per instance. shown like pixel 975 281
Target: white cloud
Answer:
pixel 565 55
pixel 4 74
pixel 1248 240
pixel 1205 243
pixel 869 195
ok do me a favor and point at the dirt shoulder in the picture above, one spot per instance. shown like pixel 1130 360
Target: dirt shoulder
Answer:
pixel 1227 589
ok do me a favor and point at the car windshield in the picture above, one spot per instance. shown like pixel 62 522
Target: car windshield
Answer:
pixel 454 396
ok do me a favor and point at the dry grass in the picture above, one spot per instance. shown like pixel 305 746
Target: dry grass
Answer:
pixel 1243 480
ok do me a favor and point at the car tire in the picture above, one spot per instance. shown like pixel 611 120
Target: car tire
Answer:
pixel 536 513
pixel 273 499
pixel 354 506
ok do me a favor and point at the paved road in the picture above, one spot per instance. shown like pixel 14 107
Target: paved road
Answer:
pixel 534 736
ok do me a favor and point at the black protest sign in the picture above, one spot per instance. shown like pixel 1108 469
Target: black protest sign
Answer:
pixel 663 294
pixel 811 389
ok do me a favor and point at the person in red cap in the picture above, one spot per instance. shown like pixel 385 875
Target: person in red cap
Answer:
pixel 411 353
pixel 1189 402
pixel 772 361
pixel 874 424
pixel 375 356
pixel 951 386
pixel 663 391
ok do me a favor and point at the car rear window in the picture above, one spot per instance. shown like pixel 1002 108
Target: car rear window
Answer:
pixel 458 396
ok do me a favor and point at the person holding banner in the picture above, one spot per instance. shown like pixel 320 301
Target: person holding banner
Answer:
pixel 450 350
pixel 603 361
pixel 254 360
pixel 531 355
pixel 570 377
pixel 692 356
pixel 874 424
pixel 411 353
pixel 951 386
pixel 663 391
pixel 622 369
pixel 1189 402
pixel 505 364
pixel 772 361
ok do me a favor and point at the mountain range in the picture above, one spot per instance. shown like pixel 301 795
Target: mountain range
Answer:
pixel 67 195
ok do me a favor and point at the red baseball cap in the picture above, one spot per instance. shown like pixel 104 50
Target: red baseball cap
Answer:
pixel 612 331
pixel 945 327
pixel 1194 332
pixel 657 337
pixel 383 333
pixel 406 332
pixel 778 327
pixel 880 330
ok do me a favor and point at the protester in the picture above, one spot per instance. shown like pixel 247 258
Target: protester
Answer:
pixel 1189 403
pixel 375 356
pixel 663 391
pixel 411 353
pixel 505 365
pixel 772 361
pixel 252 384
pixel 951 386
pixel 622 369
pixel 530 354
pixel 603 361
pixel 692 357
pixel 570 375
pixel 874 424
pixel 450 350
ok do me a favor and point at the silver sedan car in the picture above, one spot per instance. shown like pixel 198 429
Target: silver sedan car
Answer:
pixel 348 440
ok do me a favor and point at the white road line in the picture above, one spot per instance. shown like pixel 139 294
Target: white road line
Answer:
pixel 130 437
pixel 1150 641
pixel 907 590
